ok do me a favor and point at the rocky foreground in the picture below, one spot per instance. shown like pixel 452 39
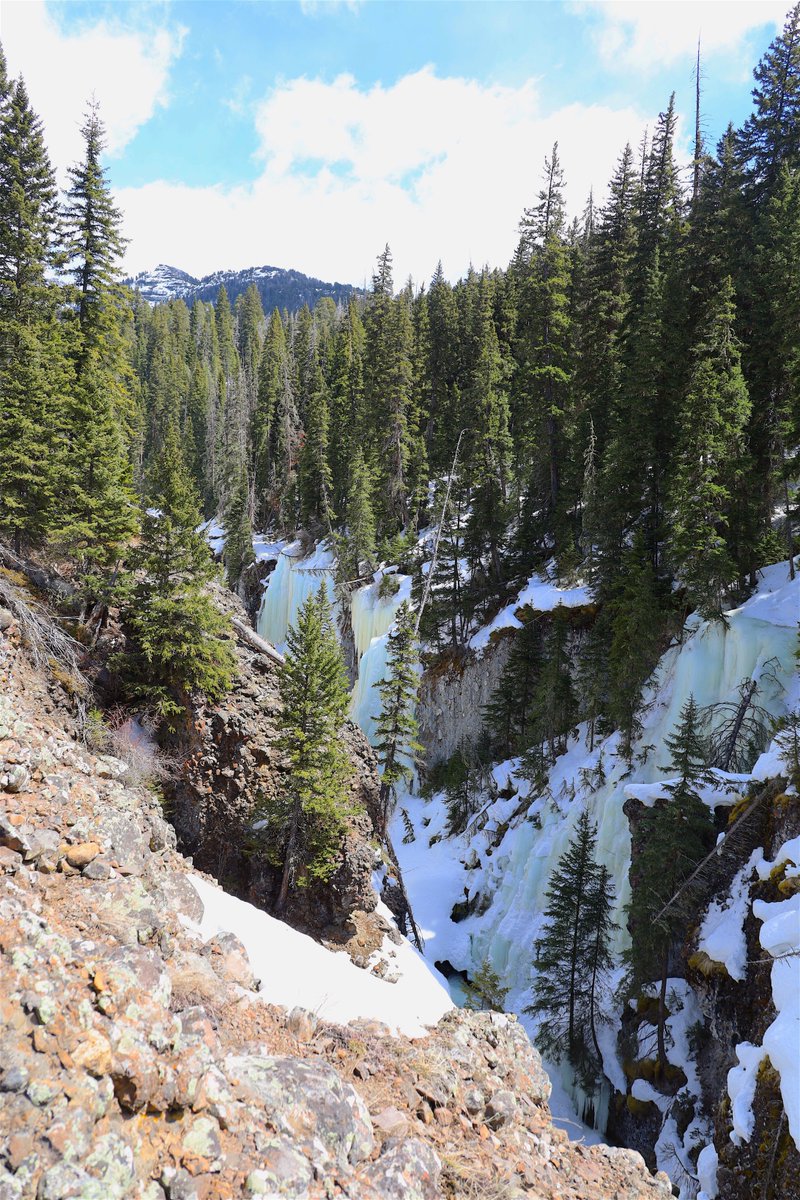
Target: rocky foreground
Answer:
pixel 138 1062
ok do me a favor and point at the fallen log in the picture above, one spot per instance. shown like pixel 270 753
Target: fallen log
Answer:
pixel 250 638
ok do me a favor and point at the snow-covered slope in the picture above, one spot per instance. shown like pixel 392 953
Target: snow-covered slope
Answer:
pixel 278 287
pixel 295 970
pixel 503 863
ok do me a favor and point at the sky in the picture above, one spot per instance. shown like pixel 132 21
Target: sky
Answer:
pixel 309 133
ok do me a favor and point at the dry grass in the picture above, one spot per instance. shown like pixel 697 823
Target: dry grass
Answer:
pixel 49 647
pixel 465 1176
pixel 130 739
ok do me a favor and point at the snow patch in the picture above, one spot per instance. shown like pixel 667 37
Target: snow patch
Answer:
pixel 295 970
pixel 742 1090
pixel 780 937
pixel 722 934
pixel 707 1163
pixel 541 596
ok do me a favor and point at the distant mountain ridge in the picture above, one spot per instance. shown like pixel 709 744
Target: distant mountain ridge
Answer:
pixel 278 288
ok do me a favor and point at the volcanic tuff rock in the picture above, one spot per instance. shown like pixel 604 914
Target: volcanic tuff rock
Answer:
pixel 137 1063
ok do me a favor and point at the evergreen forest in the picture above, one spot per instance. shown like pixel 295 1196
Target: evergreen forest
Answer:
pixel 620 403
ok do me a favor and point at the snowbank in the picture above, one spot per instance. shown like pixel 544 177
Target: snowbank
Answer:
pixel 295 970
pixel 540 595
pixel 721 790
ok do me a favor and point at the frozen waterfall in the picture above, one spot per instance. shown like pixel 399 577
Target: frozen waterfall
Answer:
pixel 373 608
pixel 508 861
pixel 295 578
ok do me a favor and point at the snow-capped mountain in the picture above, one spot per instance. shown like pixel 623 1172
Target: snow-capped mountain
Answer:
pixel 278 288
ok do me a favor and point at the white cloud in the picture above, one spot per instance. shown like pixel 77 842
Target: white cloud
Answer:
pixel 438 167
pixel 126 69
pixel 648 33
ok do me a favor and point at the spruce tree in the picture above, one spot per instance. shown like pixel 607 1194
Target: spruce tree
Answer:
pixel 347 434
pixel 387 386
pixel 97 512
pixel 628 477
pixel 274 383
pixel 177 646
pixel 442 374
pixel 544 354
pixel 672 837
pixel 34 371
pixel 636 622
pixel 396 727
pixel 238 553
pixel 554 708
pixel 710 460
pixel 357 548
pixel 448 612
pixel 305 823
pixel 572 954
pixel 490 457
pixel 508 715
pixel 315 482
pixel 770 137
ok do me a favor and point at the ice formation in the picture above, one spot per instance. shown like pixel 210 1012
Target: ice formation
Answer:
pixel 296 577
pixel 373 609
pixel 505 861
pixel 372 616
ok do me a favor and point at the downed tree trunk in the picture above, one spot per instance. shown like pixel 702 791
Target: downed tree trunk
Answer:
pixel 251 639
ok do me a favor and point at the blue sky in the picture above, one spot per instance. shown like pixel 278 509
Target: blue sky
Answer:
pixel 308 134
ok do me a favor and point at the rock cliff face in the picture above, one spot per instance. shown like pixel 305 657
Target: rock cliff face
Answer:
pixel 138 1063
pixel 452 695
pixel 739 1011
pixel 228 765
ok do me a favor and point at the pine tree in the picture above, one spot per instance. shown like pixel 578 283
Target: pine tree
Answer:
pixel 396 727
pixel 710 461
pixel 34 370
pixel 572 954
pixel 673 836
pixel 305 823
pixel 177 645
pixel 238 530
